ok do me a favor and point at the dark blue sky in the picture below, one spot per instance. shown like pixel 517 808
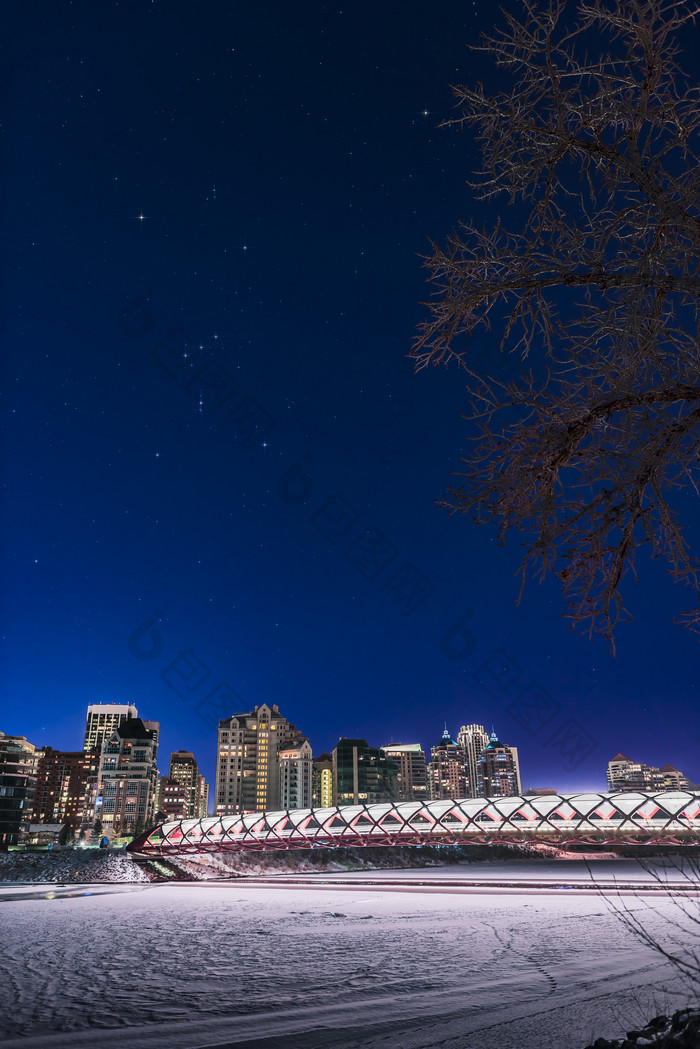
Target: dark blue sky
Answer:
pixel 289 179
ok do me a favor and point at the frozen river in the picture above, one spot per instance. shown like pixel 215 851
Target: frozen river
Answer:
pixel 318 965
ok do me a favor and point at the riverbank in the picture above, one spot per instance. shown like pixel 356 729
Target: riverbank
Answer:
pixel 79 866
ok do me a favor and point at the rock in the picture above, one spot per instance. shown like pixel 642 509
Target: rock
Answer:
pixel 681 1031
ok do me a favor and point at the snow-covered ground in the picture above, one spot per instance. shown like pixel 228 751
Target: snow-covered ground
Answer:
pixel 69 865
pixel 215 964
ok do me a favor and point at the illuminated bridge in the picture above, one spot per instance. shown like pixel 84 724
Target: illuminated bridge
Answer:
pixel 652 818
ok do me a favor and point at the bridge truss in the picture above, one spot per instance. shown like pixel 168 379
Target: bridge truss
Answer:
pixel 670 818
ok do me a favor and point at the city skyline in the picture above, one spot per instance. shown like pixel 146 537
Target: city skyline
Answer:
pixel 113 790
pixel 472 738
pixel 267 503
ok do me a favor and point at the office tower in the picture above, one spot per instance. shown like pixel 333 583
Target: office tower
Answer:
pixel 127 780
pixel 296 763
pixel 66 787
pixel 322 782
pixel 18 769
pixel 498 770
pixel 447 771
pixel 173 798
pixel 412 770
pixel 247 767
pixel 102 718
pixel 625 774
pixel 472 739
pixel 202 797
pixel 183 769
pixel 363 775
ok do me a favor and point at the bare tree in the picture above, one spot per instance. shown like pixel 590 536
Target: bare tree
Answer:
pixel 595 147
pixel 676 934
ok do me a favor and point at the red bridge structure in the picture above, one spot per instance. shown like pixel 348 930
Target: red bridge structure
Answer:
pixel 660 818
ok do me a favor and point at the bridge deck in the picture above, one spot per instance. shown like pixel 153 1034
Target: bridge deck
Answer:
pixel 668 818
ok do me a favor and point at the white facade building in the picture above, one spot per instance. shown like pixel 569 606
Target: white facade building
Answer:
pixel 296 769
pixel 103 718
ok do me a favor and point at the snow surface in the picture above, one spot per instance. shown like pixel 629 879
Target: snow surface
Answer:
pixel 221 964
pixel 69 865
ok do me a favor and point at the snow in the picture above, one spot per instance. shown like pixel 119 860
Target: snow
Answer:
pixel 69 865
pixel 222 964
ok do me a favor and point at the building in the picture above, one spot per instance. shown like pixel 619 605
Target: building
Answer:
pixel 127 780
pixel 154 728
pixel 66 787
pixel 540 792
pixel 173 799
pixel 625 774
pixel 412 770
pixel 296 770
pixel 102 719
pixel 674 779
pixel 447 771
pixel 247 767
pixel 322 782
pixel 18 768
pixel 363 775
pixel 184 769
pixel 41 835
pixel 472 739
pixel 203 796
pixel 498 770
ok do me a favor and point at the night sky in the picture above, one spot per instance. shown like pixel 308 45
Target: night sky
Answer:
pixel 251 186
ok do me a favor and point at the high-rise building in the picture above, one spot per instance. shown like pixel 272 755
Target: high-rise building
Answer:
pixel 66 787
pixel 296 764
pixel 674 779
pixel 128 779
pixel 412 770
pixel 183 769
pixel 625 774
pixel 498 770
pixel 102 719
pixel 472 739
pixel 447 771
pixel 173 798
pixel 202 797
pixel 322 782
pixel 247 767
pixel 154 728
pixel 363 775
pixel 18 768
